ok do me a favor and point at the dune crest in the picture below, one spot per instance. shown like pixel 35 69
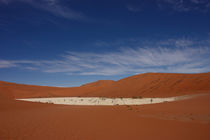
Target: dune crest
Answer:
pixel 144 85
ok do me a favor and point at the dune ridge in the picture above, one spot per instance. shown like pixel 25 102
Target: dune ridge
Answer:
pixel 144 85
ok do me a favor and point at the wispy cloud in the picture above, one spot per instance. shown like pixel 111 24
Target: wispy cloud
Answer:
pixel 185 5
pixel 184 56
pixel 174 5
pixel 6 64
pixel 54 7
pixel 134 8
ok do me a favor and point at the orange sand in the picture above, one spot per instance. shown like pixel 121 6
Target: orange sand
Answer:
pixel 145 85
pixel 186 119
pixel 24 121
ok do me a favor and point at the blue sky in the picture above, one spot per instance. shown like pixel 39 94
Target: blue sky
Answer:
pixel 72 42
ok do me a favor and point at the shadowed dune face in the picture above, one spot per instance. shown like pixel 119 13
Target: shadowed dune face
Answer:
pixel 100 83
pixel 145 85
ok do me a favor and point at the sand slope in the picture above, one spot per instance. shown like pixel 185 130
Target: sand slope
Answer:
pixel 176 120
pixel 186 119
pixel 145 85
pixel 159 85
pixel 13 90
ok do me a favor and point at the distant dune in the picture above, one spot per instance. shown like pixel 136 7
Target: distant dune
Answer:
pixel 144 85
pixel 159 85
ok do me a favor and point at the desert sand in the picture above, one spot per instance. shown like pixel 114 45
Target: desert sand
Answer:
pixel 144 85
pixel 183 119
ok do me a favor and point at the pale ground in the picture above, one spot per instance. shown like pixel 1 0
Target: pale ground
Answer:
pixel 104 101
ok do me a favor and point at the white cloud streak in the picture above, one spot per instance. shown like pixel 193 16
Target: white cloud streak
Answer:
pixel 134 8
pixel 52 6
pixel 184 57
pixel 7 64
pixel 174 5
pixel 185 5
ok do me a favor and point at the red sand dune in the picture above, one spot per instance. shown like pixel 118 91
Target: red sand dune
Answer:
pixel 145 85
pixel 12 90
pixel 159 85
pixel 183 120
